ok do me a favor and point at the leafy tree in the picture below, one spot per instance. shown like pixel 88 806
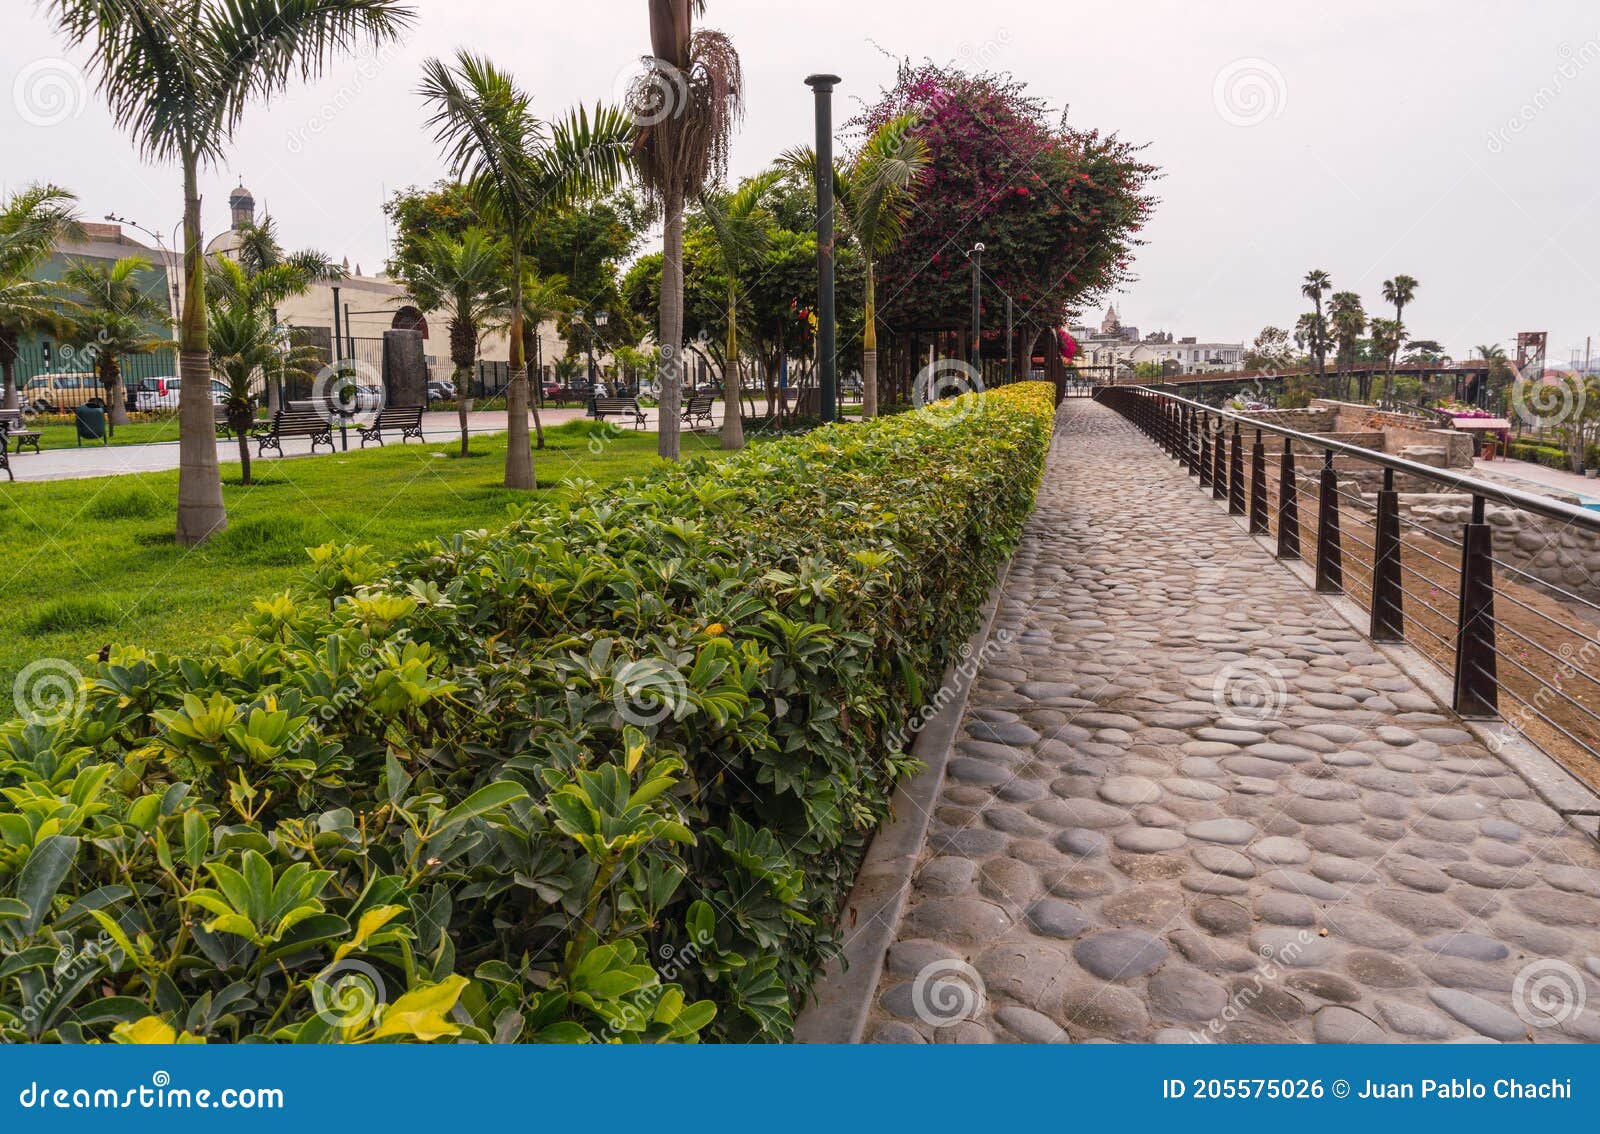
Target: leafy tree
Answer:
pixel 32 221
pixel 1499 375
pixel 687 103
pixel 178 75
pixel 110 311
pixel 517 169
pixel 1270 351
pixel 466 277
pixel 873 193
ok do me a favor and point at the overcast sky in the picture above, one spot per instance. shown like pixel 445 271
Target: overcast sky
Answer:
pixel 1450 141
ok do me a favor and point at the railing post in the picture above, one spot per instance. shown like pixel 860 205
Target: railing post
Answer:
pixel 1477 683
pixel 1388 601
pixel 1236 474
pixel 1330 565
pixel 1288 506
pixel 1259 525
pixel 1191 441
pixel 1219 462
pixel 1205 450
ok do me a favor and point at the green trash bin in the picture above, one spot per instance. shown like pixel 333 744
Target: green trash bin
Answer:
pixel 92 425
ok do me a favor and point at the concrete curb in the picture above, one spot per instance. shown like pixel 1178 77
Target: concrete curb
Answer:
pixel 871 914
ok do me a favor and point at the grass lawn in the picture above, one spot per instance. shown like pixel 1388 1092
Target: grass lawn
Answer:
pixel 84 563
pixel 60 433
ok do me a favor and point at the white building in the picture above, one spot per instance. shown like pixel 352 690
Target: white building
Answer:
pixel 1116 345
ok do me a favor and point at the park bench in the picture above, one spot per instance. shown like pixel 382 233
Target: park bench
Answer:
pixel 299 420
pixel 600 408
pixel 697 409
pixel 11 425
pixel 407 419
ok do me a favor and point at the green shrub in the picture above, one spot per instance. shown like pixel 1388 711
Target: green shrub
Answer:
pixel 604 774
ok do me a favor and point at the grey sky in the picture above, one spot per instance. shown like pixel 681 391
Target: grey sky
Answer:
pixel 1443 140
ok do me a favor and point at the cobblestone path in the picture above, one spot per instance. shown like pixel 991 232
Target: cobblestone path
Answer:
pixel 1189 802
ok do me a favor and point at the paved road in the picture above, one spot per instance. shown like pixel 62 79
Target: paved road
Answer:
pixel 114 460
pixel 1188 802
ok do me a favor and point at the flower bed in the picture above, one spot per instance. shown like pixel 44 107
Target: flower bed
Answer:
pixel 605 773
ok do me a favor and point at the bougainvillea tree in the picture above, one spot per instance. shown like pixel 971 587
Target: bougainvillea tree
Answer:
pixel 1058 208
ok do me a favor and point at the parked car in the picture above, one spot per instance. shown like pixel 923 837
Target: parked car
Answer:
pixel 440 392
pixel 59 393
pixel 155 395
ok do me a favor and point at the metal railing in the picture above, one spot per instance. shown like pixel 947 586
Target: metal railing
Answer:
pixel 1516 647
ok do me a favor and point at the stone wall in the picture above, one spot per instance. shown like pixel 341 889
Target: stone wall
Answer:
pixel 1550 551
pixel 1401 431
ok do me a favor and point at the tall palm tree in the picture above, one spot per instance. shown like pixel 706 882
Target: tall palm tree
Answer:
pixel 467 278
pixel 1399 291
pixel 247 348
pixel 544 298
pixel 687 105
pixel 1348 320
pixel 872 196
pixel 178 75
pixel 516 169
pixel 32 221
pixel 1495 356
pixel 110 313
pixel 1386 336
pixel 740 228
pixel 1316 283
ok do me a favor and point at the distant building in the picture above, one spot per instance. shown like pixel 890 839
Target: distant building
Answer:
pixel 1114 344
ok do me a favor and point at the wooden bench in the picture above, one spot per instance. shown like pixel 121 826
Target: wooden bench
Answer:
pixel 698 408
pixel 11 425
pixel 299 420
pixel 600 408
pixel 407 419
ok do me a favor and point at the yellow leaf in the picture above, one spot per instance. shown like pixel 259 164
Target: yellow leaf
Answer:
pixel 151 1029
pixel 633 741
pixel 371 921
pixel 420 1013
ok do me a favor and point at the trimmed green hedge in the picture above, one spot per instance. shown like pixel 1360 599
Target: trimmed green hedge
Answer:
pixel 604 774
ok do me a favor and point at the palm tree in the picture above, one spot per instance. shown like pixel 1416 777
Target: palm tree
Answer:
pixel 1399 291
pixel 1495 356
pixel 283 274
pixel 872 194
pixel 32 221
pixel 544 298
pixel 687 104
pixel 178 75
pixel 247 348
pixel 1348 319
pixel 1386 335
pixel 517 169
pixel 1316 282
pixel 740 228
pixel 467 278
pixel 111 313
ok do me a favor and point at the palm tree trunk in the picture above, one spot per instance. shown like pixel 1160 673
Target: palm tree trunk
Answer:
pixel 732 386
pixel 869 349
pixel 519 454
pixel 671 331
pixel 462 376
pixel 201 512
pixel 117 410
pixel 244 452
pixel 533 398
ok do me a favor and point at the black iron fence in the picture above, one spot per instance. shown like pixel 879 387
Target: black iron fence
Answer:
pixel 57 376
pixel 1506 619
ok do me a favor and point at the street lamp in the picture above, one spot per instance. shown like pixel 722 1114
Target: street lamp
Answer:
pixel 977 318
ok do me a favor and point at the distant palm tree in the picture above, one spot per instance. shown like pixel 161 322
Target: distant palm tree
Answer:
pixel 32 221
pixel 465 277
pixel 1316 282
pixel 283 274
pixel 1399 291
pixel 740 228
pixel 544 298
pixel 517 169
pixel 873 194
pixel 247 348
pixel 1348 320
pixel 178 74
pixel 687 105
pixel 110 313
pixel 1495 356
pixel 1386 337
